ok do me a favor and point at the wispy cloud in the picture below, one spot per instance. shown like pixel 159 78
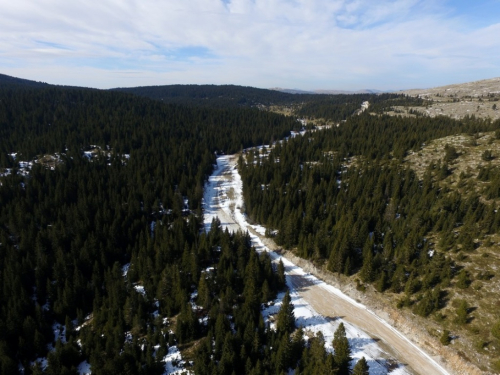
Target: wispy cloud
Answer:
pixel 307 44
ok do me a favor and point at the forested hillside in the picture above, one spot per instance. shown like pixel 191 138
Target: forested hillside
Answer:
pixel 219 96
pixel 6 80
pixel 345 197
pixel 314 106
pixel 103 262
pixel 340 107
pixel 100 209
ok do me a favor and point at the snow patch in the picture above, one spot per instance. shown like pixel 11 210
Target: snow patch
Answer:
pixel 86 321
pixel 59 332
pixel 140 289
pixel 174 363
pixel 125 269
pixel 84 368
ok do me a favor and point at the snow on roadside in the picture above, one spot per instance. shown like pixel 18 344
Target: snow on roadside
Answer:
pixel 211 192
pixel 362 345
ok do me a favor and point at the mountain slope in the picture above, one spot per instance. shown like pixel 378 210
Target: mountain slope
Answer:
pixel 479 99
pixel 217 96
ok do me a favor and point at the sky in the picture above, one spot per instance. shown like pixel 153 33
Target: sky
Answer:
pixel 301 44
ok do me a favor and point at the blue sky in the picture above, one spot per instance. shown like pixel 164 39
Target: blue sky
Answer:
pixel 304 44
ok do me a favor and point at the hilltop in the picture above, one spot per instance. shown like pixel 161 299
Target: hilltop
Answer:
pixel 478 98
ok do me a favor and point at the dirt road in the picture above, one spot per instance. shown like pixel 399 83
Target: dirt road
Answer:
pixel 330 305
pixel 325 299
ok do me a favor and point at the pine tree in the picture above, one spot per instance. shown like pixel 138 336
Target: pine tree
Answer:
pixel 487 155
pixel 445 337
pixel 314 357
pixel 361 367
pixel 266 292
pixel 348 267
pixel 286 317
pixel 463 279
pixel 298 345
pixel 381 284
pixel 367 272
pixel 342 351
pixel 187 324
pixel 462 312
pixel 281 275
pixel 450 153
pixel 284 354
pixel 203 292
pixel 226 363
pixel 495 330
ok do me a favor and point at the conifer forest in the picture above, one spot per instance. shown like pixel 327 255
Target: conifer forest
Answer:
pixel 103 256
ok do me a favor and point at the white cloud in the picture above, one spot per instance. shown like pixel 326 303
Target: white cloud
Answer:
pixel 289 43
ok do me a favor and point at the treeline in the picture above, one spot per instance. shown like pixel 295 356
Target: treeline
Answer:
pixel 384 137
pixel 66 233
pixel 343 197
pixel 329 107
pixel 385 102
pixel 219 95
pixel 51 120
pixel 340 107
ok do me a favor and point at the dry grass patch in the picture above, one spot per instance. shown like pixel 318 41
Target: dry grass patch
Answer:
pixel 460 100
pixel 281 110
pixel 465 168
pixel 473 339
pixel 49 161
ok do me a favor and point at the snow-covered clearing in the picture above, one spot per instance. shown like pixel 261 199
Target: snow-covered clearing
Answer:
pixel 223 198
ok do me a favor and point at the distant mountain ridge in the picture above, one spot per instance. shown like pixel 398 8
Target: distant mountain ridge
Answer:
pixel 221 96
pixel 475 89
pixel 478 98
pixel 364 91
pixel 329 92
pixel 199 91
pixel 218 95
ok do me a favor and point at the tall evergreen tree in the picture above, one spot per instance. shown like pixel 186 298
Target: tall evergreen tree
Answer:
pixel 286 316
pixel 361 367
pixel 342 351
